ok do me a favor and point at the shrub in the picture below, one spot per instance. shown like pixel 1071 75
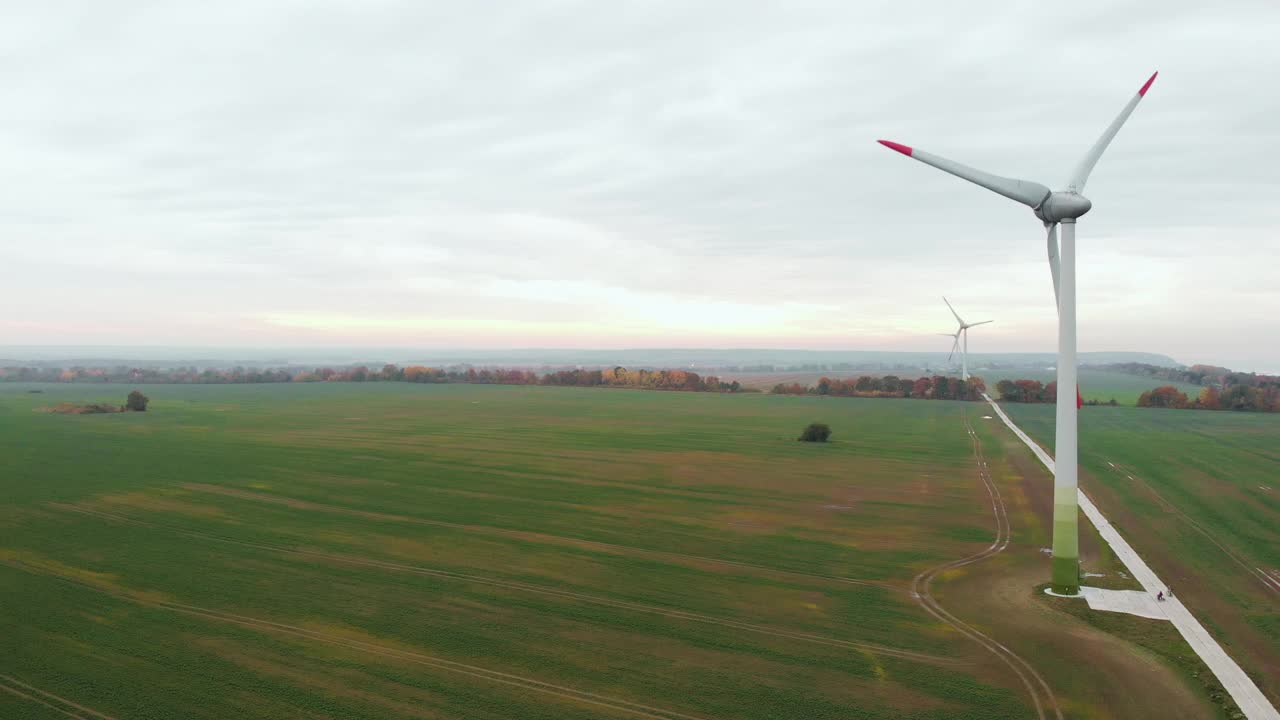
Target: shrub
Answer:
pixel 816 432
pixel 137 402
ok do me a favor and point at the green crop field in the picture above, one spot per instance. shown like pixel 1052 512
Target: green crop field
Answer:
pixel 1199 494
pixel 388 550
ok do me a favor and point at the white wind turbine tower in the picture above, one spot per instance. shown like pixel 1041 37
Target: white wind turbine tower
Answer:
pixel 1054 208
pixel 961 340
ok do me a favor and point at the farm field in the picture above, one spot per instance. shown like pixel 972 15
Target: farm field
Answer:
pixel 1198 492
pixel 392 550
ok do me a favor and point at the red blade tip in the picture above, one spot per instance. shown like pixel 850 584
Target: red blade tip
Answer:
pixel 1150 80
pixel 905 150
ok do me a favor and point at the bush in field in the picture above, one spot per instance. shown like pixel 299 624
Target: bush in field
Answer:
pixel 816 432
pixel 137 402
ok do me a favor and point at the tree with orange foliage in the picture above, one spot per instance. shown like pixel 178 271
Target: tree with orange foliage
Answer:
pixel 1165 396
pixel 1210 399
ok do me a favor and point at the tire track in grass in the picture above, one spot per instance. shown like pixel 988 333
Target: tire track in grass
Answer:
pixel 1041 696
pixel 475 671
pixel 18 688
pixel 1269 582
pixel 525 535
pixel 674 613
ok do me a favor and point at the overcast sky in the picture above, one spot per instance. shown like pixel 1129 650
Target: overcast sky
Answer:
pixel 611 174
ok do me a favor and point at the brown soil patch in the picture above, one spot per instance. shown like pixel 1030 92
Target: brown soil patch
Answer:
pixel 67 408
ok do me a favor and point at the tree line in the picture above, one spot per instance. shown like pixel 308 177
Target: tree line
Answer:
pixel 937 387
pixel 1240 398
pixel 1260 397
pixel 1034 391
pixel 1027 391
pixel 1203 375
pixel 126 374
pixel 1194 375
pixel 680 380
pixel 1223 388
pixel 619 376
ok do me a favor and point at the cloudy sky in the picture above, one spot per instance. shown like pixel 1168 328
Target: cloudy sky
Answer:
pixel 613 174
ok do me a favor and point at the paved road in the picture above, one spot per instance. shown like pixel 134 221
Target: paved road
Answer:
pixel 1246 694
pixel 1132 602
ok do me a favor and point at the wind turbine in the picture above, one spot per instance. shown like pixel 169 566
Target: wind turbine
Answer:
pixel 962 332
pixel 1063 208
pixel 955 344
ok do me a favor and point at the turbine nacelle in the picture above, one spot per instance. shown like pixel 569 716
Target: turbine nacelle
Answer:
pixel 1062 207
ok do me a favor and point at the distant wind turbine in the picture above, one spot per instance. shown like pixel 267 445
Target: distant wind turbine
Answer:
pixel 961 342
pixel 1062 207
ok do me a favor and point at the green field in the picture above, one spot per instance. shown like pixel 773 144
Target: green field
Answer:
pixel 1198 492
pixel 392 550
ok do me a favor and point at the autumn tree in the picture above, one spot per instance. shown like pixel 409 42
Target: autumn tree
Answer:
pixel 1210 399
pixel 1165 396
pixel 1032 390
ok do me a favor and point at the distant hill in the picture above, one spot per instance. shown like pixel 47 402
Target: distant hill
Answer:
pixel 736 359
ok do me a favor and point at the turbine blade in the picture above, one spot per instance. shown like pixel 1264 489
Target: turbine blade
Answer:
pixel 984 322
pixel 1052 240
pixel 1081 174
pixel 1026 192
pixel 953 311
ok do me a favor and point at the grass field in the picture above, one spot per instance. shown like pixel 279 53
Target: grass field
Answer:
pixel 1199 494
pixel 392 550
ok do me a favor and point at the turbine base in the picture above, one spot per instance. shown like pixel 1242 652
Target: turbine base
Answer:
pixel 1066 576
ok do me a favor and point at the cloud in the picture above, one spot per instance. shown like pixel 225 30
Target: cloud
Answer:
pixel 593 174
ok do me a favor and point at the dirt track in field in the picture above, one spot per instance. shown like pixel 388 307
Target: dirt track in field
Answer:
pixel 57 703
pixel 1041 695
